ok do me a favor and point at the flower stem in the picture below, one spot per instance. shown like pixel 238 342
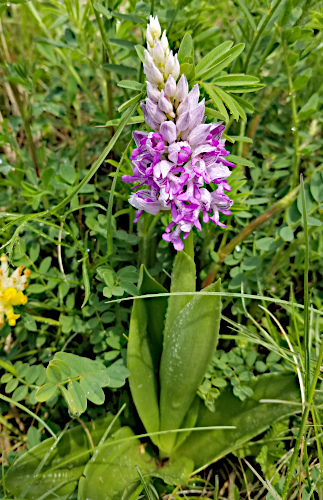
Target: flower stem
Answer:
pixel 189 245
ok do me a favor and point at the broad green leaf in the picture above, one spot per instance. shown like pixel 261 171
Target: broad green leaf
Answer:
pixel 67 367
pixel 309 108
pixel 189 421
pixel 216 99
pixel 187 352
pixel 156 313
pixel 45 392
pixel 251 417
pixel 20 393
pixel 222 61
pixel 73 442
pixel 235 80
pixel 142 379
pixel 186 48
pixel 211 57
pixel 183 280
pixel 113 476
pixel 317 186
pixel 77 402
pixel 117 373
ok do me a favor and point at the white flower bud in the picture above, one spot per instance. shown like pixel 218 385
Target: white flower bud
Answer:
pixel 175 72
pixel 150 40
pixel 154 27
pixel 155 75
pixel 164 43
pixel 158 53
pixel 164 104
pixel 181 89
pixel 170 86
pixel 148 59
pixel 170 64
pixel 152 92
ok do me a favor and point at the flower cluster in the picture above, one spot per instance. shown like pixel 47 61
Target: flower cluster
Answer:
pixel 11 291
pixel 183 154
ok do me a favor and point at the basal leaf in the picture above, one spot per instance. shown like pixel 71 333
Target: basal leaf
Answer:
pixel 183 280
pixel 113 476
pixel 142 379
pixel 73 442
pixel 251 417
pixel 187 352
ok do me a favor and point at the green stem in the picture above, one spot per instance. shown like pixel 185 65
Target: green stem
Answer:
pixel 189 245
pixel 295 131
pixel 47 321
pixel 307 347
pixel 292 465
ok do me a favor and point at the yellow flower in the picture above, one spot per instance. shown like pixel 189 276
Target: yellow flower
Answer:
pixel 11 291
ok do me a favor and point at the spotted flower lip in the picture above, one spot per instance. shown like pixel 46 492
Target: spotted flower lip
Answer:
pixel 182 163
pixel 11 291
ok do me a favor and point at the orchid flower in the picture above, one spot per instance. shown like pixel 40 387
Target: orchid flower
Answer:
pixel 183 154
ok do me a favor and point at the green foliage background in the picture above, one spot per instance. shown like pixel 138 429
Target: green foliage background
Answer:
pixel 70 77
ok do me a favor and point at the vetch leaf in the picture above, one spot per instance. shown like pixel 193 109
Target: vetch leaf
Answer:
pixel 309 108
pixel 217 101
pixel 235 80
pixel 105 12
pixel 211 57
pixel 130 84
pixel 186 48
pixel 45 392
pixel 222 61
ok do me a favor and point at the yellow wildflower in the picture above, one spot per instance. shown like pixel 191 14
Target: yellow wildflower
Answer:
pixel 11 291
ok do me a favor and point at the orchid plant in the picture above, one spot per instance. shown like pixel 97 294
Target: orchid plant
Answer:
pixel 183 166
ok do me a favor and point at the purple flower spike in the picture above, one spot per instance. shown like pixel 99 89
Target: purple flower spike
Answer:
pixel 182 163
